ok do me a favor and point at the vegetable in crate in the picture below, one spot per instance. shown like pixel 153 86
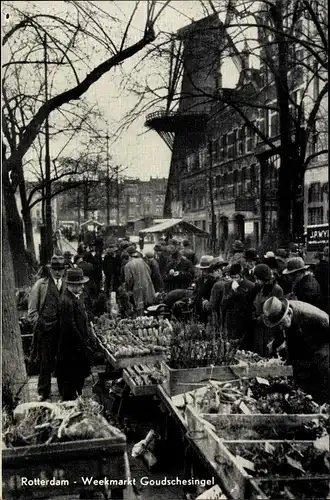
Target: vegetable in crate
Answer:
pixel 44 423
pixel 283 459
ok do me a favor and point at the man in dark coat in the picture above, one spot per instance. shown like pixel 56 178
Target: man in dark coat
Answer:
pixel 321 272
pixel 236 307
pixel 305 329
pixel 162 256
pixel 43 311
pixel 111 269
pixel 304 286
pixel 217 267
pixel 179 271
pixel 94 256
pixel 188 252
pixel 156 277
pixel 75 344
pixel 204 285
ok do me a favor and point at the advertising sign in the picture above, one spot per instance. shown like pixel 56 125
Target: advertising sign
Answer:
pixel 317 237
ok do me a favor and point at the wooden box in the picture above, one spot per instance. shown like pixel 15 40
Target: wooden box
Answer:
pixel 149 359
pixel 138 390
pixel 66 462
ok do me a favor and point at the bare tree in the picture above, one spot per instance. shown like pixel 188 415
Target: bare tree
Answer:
pixel 80 33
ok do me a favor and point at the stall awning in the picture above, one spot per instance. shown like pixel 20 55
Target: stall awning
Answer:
pixel 163 227
pixel 91 222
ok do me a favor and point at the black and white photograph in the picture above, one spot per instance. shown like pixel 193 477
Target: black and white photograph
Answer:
pixel 165 250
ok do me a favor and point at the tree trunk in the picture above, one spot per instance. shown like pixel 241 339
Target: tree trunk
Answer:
pixel 28 227
pixel 282 91
pixel 14 377
pixel 15 235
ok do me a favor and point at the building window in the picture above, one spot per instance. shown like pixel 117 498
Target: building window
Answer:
pixel 245 180
pixel 202 158
pixel 315 193
pixel 315 216
pixel 230 145
pixel 241 141
pixel 249 139
pixel 235 141
pixel 262 121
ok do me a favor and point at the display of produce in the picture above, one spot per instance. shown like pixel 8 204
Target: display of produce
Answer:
pixel 198 345
pixel 281 459
pixel 44 423
pixel 258 395
pixel 123 339
pixel 299 490
pixel 145 375
pixel 254 358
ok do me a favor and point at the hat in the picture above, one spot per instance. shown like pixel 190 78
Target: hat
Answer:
pixel 274 310
pixel 263 272
pixel 149 254
pixel 131 249
pixel 235 269
pixel 281 252
pixel 295 264
pixel 251 254
pixel 238 246
pixel 157 248
pixel 218 262
pixel 124 244
pixel 174 242
pixel 57 262
pixel 269 255
pixel 86 267
pixel 205 262
pixel 75 277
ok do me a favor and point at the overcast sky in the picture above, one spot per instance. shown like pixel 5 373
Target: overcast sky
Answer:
pixel 143 153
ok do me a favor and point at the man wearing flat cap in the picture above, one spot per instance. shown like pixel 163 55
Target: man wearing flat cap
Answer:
pixel 305 330
pixel 43 311
pixel 75 346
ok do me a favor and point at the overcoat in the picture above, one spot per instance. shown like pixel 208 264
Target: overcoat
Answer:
pixel 75 344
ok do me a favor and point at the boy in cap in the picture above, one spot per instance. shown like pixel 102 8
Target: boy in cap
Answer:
pixel 43 312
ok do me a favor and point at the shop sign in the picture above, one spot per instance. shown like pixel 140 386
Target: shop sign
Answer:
pixel 317 237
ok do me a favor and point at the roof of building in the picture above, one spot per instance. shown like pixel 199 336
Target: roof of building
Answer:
pixel 170 223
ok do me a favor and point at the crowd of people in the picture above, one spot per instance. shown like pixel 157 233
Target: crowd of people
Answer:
pixel 267 303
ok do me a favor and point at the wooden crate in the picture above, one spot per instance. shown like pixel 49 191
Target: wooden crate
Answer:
pixel 313 488
pixel 67 462
pixel 138 390
pixel 149 359
pixel 183 380
pixel 270 422
pixel 235 480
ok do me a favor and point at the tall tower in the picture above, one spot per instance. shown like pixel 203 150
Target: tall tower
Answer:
pixel 198 62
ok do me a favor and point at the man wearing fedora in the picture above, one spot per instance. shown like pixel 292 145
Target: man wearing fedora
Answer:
pixel 43 311
pixel 204 285
pixel 304 285
pixel 237 256
pixel 305 330
pixel 75 345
